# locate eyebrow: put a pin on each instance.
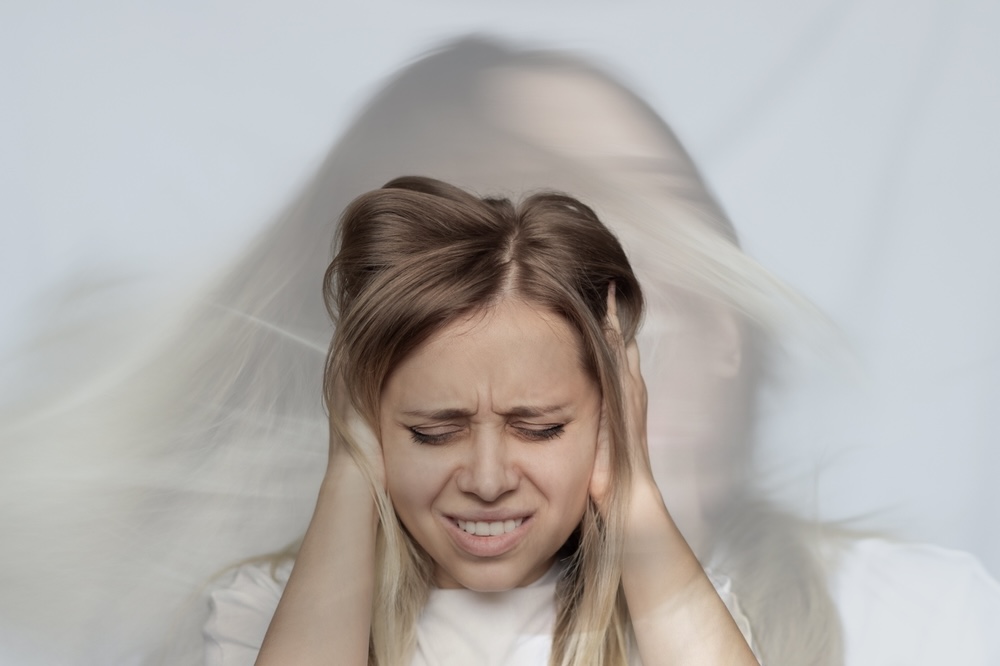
(439, 414)
(445, 414)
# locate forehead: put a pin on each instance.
(512, 351)
(509, 316)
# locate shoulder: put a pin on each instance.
(914, 604)
(240, 610)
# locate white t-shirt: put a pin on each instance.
(900, 604)
(512, 628)
(915, 605)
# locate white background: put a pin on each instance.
(855, 145)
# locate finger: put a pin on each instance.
(613, 309)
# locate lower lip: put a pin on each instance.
(486, 546)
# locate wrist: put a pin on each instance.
(646, 502)
(650, 531)
(346, 482)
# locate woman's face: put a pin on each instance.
(489, 433)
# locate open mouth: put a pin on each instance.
(493, 528)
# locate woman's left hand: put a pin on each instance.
(634, 407)
(677, 616)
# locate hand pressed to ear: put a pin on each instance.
(677, 616)
(353, 442)
(634, 401)
(326, 606)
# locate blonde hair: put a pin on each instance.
(209, 443)
(416, 255)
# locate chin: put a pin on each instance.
(490, 584)
(492, 577)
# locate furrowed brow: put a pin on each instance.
(439, 414)
(536, 412)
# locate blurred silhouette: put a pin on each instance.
(123, 500)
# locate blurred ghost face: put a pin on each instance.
(692, 361)
(690, 347)
(489, 434)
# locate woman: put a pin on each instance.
(211, 449)
(500, 121)
(492, 348)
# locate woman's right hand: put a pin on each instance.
(327, 603)
(353, 442)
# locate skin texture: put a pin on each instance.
(677, 616)
(493, 418)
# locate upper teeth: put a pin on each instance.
(482, 528)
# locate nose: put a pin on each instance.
(488, 472)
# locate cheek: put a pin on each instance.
(413, 477)
(568, 472)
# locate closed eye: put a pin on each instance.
(540, 433)
(435, 435)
